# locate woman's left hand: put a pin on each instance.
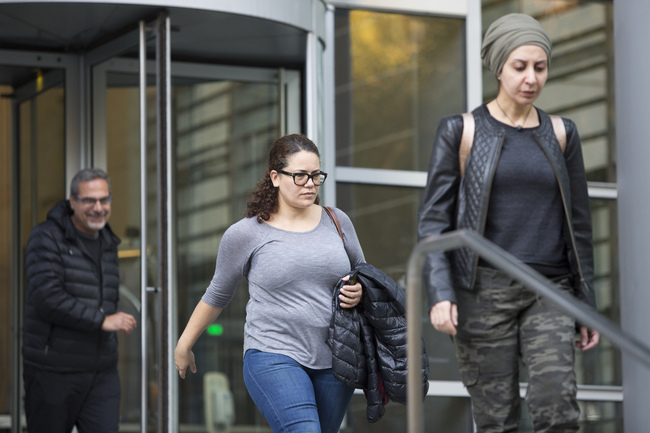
(350, 295)
(588, 339)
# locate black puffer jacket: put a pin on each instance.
(452, 202)
(369, 342)
(68, 297)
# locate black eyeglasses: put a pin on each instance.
(301, 179)
(90, 202)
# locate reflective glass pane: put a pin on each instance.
(392, 211)
(580, 85)
(224, 132)
(40, 178)
(221, 136)
(42, 157)
(602, 364)
(123, 168)
(449, 415)
(595, 417)
(396, 77)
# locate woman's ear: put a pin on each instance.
(275, 180)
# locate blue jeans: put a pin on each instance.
(294, 398)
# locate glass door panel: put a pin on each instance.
(41, 137)
(32, 180)
(222, 130)
(223, 133)
(122, 113)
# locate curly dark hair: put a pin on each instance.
(264, 199)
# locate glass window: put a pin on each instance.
(602, 364)
(581, 87)
(39, 180)
(393, 212)
(581, 83)
(595, 417)
(441, 414)
(396, 77)
(223, 134)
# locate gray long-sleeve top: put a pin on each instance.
(291, 278)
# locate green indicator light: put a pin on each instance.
(215, 329)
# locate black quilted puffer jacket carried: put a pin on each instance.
(451, 202)
(68, 298)
(369, 342)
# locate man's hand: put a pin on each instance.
(588, 339)
(444, 317)
(119, 322)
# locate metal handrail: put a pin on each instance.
(506, 262)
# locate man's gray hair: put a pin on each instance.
(86, 175)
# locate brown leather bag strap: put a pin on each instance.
(560, 130)
(335, 220)
(466, 141)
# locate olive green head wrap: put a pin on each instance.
(508, 33)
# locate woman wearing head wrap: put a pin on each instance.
(523, 187)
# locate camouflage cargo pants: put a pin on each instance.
(500, 321)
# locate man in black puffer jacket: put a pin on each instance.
(69, 340)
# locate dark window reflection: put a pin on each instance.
(396, 77)
(385, 218)
(450, 415)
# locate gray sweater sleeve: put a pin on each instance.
(235, 250)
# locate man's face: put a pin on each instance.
(90, 215)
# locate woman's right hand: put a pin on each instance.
(184, 358)
(444, 317)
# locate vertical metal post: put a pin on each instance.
(414, 402)
(144, 310)
(632, 155)
(17, 284)
(473, 67)
(310, 87)
(282, 98)
(163, 77)
(328, 151)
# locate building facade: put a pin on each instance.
(180, 100)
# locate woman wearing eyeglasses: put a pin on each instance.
(292, 256)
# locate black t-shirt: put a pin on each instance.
(525, 215)
(93, 244)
